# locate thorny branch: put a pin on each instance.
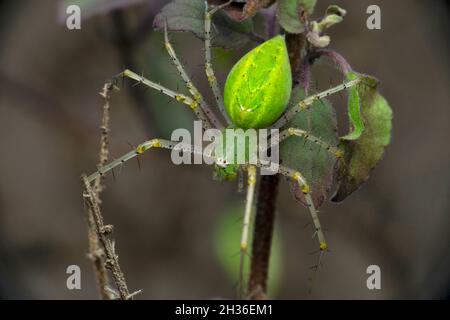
(95, 252)
(103, 231)
(97, 231)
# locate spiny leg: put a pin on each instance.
(140, 149)
(334, 151)
(208, 66)
(307, 102)
(189, 84)
(306, 190)
(193, 104)
(251, 172)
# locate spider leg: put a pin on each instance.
(334, 151)
(306, 190)
(240, 181)
(212, 80)
(188, 83)
(307, 102)
(192, 103)
(251, 171)
(140, 149)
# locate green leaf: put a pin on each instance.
(316, 164)
(227, 243)
(362, 155)
(189, 15)
(354, 110)
(289, 12)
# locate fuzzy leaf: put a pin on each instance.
(289, 13)
(316, 164)
(354, 111)
(189, 15)
(362, 155)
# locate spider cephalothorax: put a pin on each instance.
(256, 96)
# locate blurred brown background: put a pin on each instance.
(166, 216)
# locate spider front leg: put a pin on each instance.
(192, 103)
(307, 102)
(334, 151)
(188, 82)
(140, 149)
(208, 66)
(251, 182)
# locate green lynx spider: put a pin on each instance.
(209, 120)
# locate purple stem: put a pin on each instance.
(305, 75)
(337, 58)
(271, 17)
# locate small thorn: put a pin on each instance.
(239, 219)
(139, 163)
(234, 255)
(132, 295)
(114, 175)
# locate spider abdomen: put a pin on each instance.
(258, 87)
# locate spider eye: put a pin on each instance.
(221, 162)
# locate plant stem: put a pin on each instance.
(295, 44)
(337, 58)
(267, 196)
(96, 254)
(262, 237)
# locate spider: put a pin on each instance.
(242, 106)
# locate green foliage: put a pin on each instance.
(189, 15)
(289, 12)
(364, 154)
(259, 85)
(226, 245)
(354, 111)
(316, 164)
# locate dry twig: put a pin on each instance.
(96, 228)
